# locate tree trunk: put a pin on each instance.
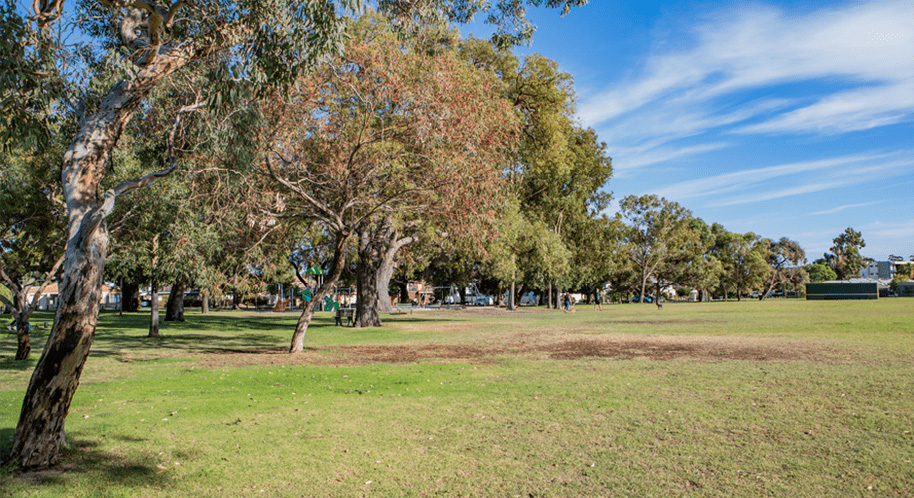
(404, 292)
(40, 431)
(20, 308)
(643, 286)
(21, 313)
(154, 310)
(130, 297)
(385, 274)
(204, 303)
(24, 346)
(174, 308)
(512, 304)
(549, 303)
(336, 269)
(236, 300)
(378, 248)
(367, 270)
(367, 296)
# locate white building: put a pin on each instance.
(881, 270)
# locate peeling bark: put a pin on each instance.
(40, 431)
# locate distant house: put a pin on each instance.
(50, 298)
(849, 289)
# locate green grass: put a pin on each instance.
(200, 413)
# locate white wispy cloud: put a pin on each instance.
(750, 179)
(734, 59)
(836, 178)
(845, 207)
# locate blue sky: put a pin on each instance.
(786, 119)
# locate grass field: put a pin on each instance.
(775, 398)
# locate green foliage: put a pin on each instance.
(32, 233)
(660, 240)
(845, 257)
(557, 174)
(507, 16)
(819, 272)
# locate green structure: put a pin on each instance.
(842, 290)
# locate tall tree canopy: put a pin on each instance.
(845, 257)
(382, 132)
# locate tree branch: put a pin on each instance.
(44, 285)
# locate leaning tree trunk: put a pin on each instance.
(336, 269)
(40, 431)
(174, 308)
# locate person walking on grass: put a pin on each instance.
(568, 303)
(597, 303)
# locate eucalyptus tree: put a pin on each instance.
(845, 257)
(380, 132)
(557, 168)
(149, 42)
(745, 259)
(703, 269)
(686, 262)
(658, 229)
(784, 257)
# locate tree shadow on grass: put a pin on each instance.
(123, 336)
(9, 364)
(122, 347)
(83, 459)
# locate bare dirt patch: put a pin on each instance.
(567, 347)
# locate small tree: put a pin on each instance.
(783, 256)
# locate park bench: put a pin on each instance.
(347, 313)
(404, 308)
